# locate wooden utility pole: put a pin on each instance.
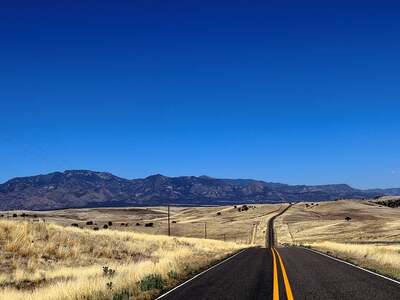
(253, 233)
(169, 222)
(205, 230)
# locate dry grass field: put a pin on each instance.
(221, 222)
(48, 261)
(61, 254)
(371, 238)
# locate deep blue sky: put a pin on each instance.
(277, 90)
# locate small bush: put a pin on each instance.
(109, 223)
(15, 215)
(174, 222)
(74, 225)
(105, 226)
(95, 228)
(173, 274)
(152, 281)
(149, 224)
(123, 295)
(89, 223)
(137, 224)
(347, 219)
(122, 224)
(218, 213)
(108, 272)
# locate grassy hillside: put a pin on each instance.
(47, 261)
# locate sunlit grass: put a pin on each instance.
(47, 261)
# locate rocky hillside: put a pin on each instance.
(82, 188)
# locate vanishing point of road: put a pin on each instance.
(284, 273)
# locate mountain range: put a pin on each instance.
(84, 188)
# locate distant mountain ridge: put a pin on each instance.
(84, 188)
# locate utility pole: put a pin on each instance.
(205, 230)
(252, 234)
(255, 233)
(169, 222)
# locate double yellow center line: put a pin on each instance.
(289, 294)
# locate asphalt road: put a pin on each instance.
(285, 273)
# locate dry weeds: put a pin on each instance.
(47, 261)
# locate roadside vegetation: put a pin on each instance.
(362, 232)
(46, 261)
(382, 258)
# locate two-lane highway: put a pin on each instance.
(285, 273)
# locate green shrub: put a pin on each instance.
(152, 281)
(173, 274)
(123, 295)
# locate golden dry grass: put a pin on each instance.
(370, 239)
(47, 261)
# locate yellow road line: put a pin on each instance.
(275, 282)
(289, 294)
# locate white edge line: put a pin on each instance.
(353, 265)
(190, 279)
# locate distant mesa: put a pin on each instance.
(84, 188)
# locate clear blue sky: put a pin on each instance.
(276, 90)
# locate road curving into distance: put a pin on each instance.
(285, 273)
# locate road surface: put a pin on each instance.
(284, 273)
